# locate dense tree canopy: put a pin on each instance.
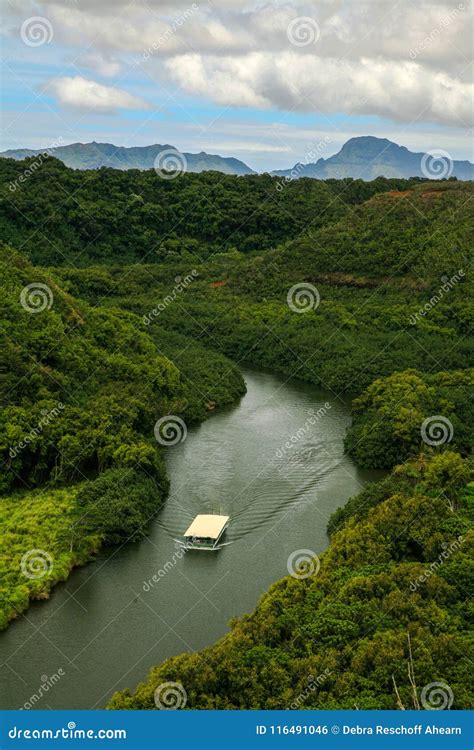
(146, 288)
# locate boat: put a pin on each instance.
(205, 532)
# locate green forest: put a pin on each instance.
(127, 298)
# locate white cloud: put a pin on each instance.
(82, 93)
(401, 60)
(401, 91)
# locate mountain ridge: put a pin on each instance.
(367, 157)
(94, 155)
(361, 157)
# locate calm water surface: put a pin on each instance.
(106, 626)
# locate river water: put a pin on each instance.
(109, 622)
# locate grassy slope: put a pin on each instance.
(38, 520)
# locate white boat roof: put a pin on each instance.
(209, 527)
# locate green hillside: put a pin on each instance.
(157, 288)
(61, 216)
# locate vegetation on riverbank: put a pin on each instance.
(82, 389)
(385, 269)
(392, 591)
(396, 416)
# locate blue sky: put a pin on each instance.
(264, 82)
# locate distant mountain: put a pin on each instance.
(365, 157)
(368, 157)
(94, 155)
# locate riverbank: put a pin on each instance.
(82, 457)
(111, 625)
(386, 605)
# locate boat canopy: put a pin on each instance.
(207, 527)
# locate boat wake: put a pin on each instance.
(274, 487)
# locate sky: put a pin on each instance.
(265, 82)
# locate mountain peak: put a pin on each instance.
(368, 157)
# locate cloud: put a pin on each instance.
(104, 65)
(402, 60)
(83, 93)
(402, 91)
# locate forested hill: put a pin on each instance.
(62, 216)
(381, 274)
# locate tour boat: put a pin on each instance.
(205, 532)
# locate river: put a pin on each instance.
(103, 628)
